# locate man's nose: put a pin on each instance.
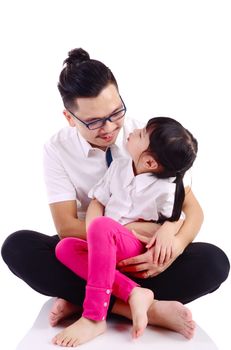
(109, 126)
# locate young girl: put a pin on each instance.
(147, 187)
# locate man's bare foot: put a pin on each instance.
(79, 332)
(140, 301)
(61, 309)
(172, 315)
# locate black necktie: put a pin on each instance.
(108, 157)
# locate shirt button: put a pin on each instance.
(108, 291)
(105, 304)
(103, 318)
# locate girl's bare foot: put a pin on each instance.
(61, 309)
(172, 315)
(79, 332)
(140, 301)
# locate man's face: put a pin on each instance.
(91, 108)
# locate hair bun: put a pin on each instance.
(76, 56)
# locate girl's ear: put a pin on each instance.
(69, 118)
(150, 163)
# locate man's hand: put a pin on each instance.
(143, 266)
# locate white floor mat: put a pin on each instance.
(118, 336)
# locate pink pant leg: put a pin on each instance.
(73, 253)
(108, 243)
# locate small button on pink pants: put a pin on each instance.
(108, 242)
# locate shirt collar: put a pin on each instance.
(129, 176)
(146, 179)
(142, 180)
(86, 147)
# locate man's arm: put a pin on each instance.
(66, 220)
(193, 219)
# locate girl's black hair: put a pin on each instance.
(82, 77)
(175, 149)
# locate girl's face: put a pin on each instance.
(137, 143)
(89, 109)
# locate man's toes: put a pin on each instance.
(59, 341)
(54, 340)
(66, 341)
(188, 333)
(72, 342)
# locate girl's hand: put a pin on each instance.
(163, 240)
(161, 244)
(163, 247)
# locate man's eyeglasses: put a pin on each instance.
(99, 123)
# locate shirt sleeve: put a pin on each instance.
(58, 184)
(101, 191)
(165, 200)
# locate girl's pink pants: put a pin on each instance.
(108, 242)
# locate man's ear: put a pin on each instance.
(69, 118)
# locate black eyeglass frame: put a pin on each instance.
(103, 120)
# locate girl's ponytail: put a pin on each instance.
(179, 197)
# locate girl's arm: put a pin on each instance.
(94, 210)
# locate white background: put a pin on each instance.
(170, 58)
